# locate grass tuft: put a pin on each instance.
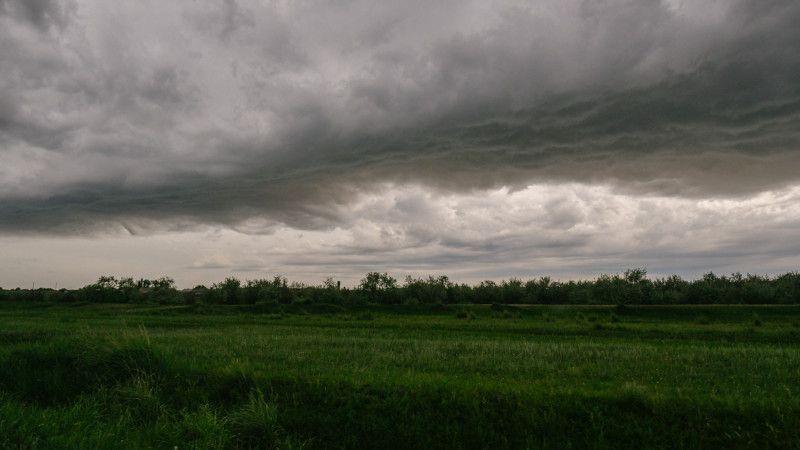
(255, 423)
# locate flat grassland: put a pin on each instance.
(322, 376)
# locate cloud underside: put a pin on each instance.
(145, 118)
(566, 231)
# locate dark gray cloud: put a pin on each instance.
(143, 116)
(42, 14)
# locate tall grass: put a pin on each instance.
(139, 377)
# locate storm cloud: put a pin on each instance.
(146, 117)
(166, 115)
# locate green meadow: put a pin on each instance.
(404, 376)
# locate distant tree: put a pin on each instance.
(163, 283)
(635, 275)
(513, 291)
(330, 291)
(229, 290)
(630, 287)
(106, 282)
(379, 287)
(488, 292)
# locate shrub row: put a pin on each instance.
(632, 287)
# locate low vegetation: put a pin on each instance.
(425, 375)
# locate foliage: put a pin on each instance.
(633, 287)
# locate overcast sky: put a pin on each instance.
(203, 139)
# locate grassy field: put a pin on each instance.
(146, 376)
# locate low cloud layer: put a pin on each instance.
(565, 231)
(146, 116)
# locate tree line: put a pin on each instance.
(632, 287)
